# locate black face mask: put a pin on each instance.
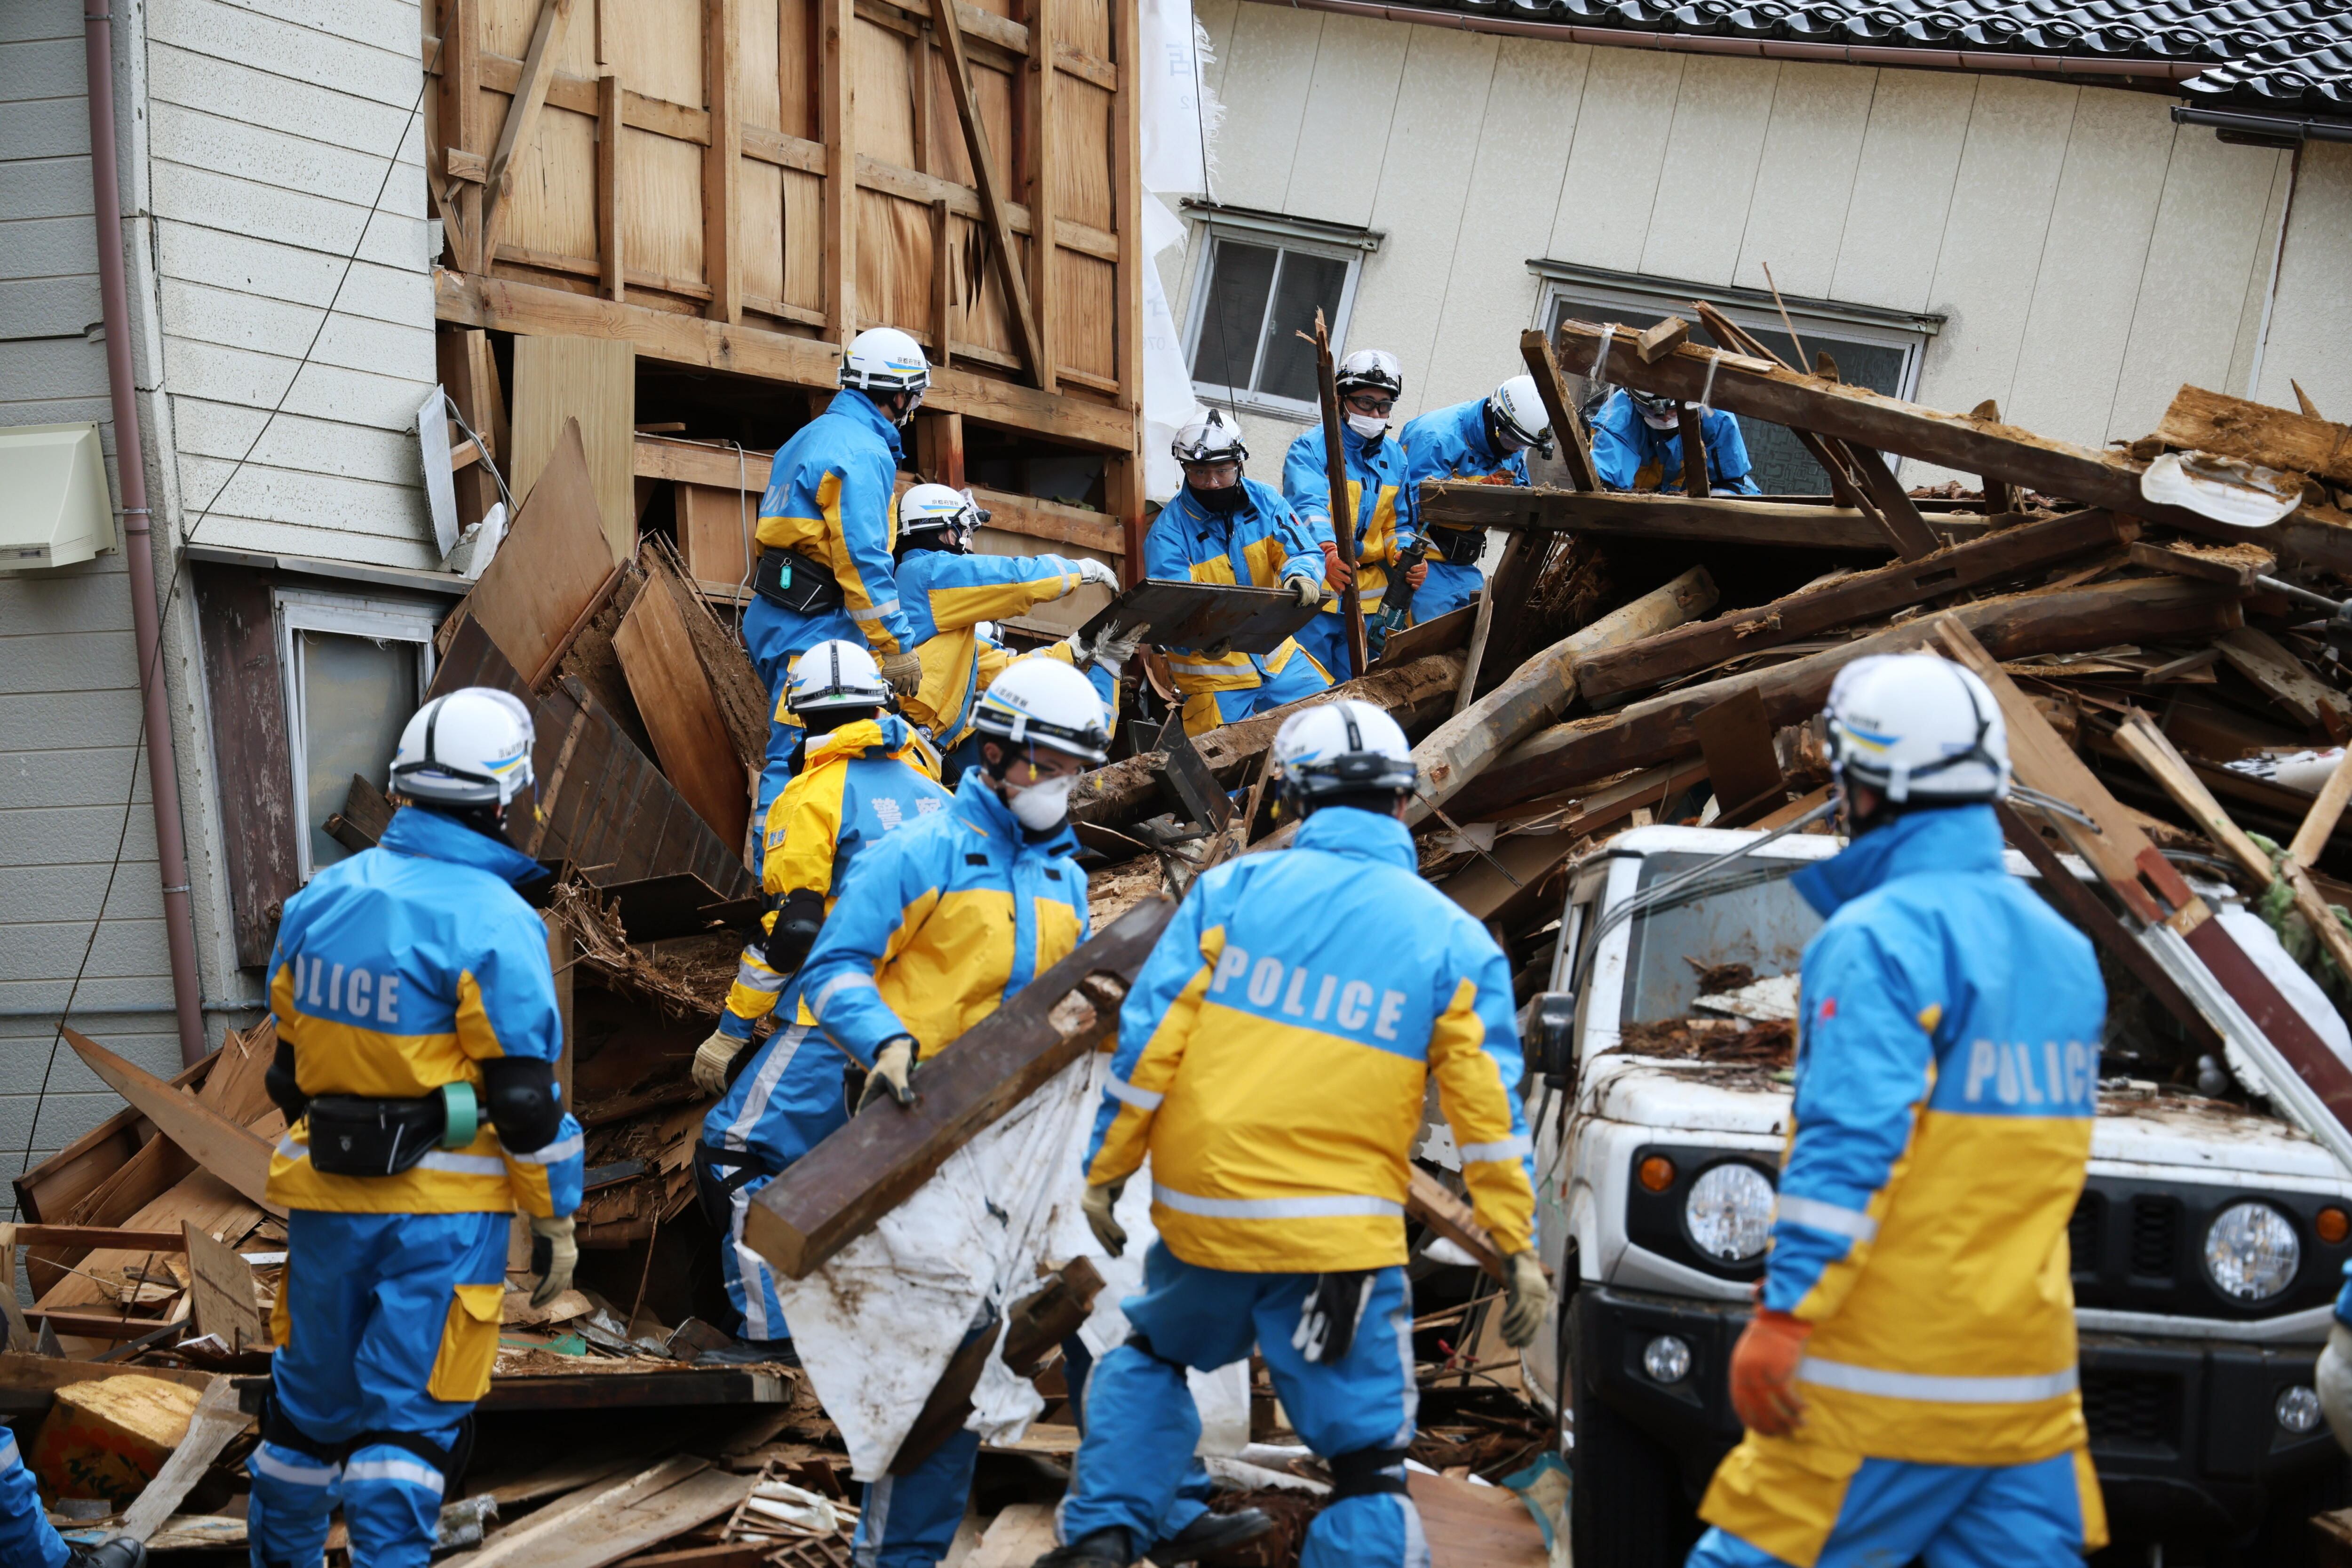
(1220, 501)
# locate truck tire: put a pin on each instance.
(1627, 1509)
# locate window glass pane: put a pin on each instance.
(357, 695)
(1240, 276)
(1307, 284)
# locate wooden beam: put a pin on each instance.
(1865, 595)
(2152, 749)
(522, 118)
(2326, 810)
(2257, 433)
(222, 1147)
(1719, 520)
(943, 291)
(2282, 678)
(461, 125)
(1898, 514)
(723, 163)
(2237, 564)
(1568, 436)
(1662, 338)
(1044, 151)
(991, 194)
(1341, 503)
(836, 128)
(1997, 496)
(611, 246)
(1695, 474)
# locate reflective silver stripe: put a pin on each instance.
(1141, 1098)
(1936, 1390)
(1814, 1215)
(7, 1446)
(409, 1472)
(561, 1149)
(464, 1164)
(1181, 668)
(833, 987)
(753, 976)
(265, 1461)
(887, 607)
(1511, 1148)
(291, 1149)
(1338, 1205)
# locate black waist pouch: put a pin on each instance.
(354, 1137)
(795, 583)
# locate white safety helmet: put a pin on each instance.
(1215, 439)
(1516, 410)
(1346, 746)
(1918, 729)
(467, 747)
(883, 360)
(1042, 701)
(941, 508)
(1371, 367)
(835, 674)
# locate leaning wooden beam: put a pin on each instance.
(991, 194)
(522, 117)
(2152, 610)
(1719, 520)
(1567, 432)
(1865, 596)
(2257, 433)
(1542, 687)
(232, 1154)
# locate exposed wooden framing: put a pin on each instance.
(469, 375)
(723, 163)
(522, 115)
(943, 292)
(1694, 460)
(939, 449)
(1124, 476)
(836, 122)
(1568, 433)
(461, 121)
(609, 231)
(1998, 498)
(783, 150)
(1725, 520)
(2235, 427)
(963, 201)
(992, 193)
(1041, 153)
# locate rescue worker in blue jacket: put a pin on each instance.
(27, 1538)
(861, 778)
(824, 568)
(1273, 1062)
(1370, 382)
(1637, 444)
(1485, 439)
(1225, 528)
(1908, 1380)
(417, 1039)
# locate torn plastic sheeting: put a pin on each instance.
(2222, 489)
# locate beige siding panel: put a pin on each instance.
(1514, 187)
(2207, 254)
(1622, 126)
(2091, 265)
(244, 208)
(200, 313)
(352, 451)
(1336, 172)
(2311, 321)
(2251, 315)
(1720, 117)
(1804, 181)
(1267, 67)
(1902, 188)
(346, 137)
(283, 49)
(298, 277)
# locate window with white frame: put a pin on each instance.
(1260, 284)
(1873, 347)
(355, 668)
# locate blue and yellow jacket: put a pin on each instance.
(857, 783)
(1274, 1060)
(1260, 545)
(946, 597)
(1375, 476)
(830, 497)
(939, 926)
(1948, 1071)
(1450, 444)
(400, 970)
(1627, 455)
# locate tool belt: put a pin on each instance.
(716, 1193)
(790, 580)
(1459, 546)
(351, 1135)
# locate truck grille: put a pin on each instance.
(2131, 1409)
(2083, 1228)
(2155, 1236)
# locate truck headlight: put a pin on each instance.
(1729, 1212)
(2251, 1252)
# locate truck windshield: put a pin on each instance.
(1746, 914)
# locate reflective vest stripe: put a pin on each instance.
(1937, 1390)
(1336, 1206)
(1141, 1098)
(887, 607)
(1814, 1215)
(833, 987)
(1506, 1149)
(554, 1153)
(464, 1164)
(422, 1477)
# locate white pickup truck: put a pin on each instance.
(2208, 1247)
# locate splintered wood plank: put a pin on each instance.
(2153, 750)
(1719, 520)
(743, 703)
(219, 1146)
(2275, 438)
(606, 1521)
(2258, 655)
(689, 737)
(214, 1424)
(2237, 564)
(590, 381)
(2326, 812)
(1015, 1538)
(552, 563)
(221, 1297)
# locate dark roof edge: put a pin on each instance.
(2280, 128)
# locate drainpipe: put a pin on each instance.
(139, 542)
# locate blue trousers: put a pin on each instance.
(1142, 1426)
(1954, 1516)
(1445, 588)
(1325, 638)
(27, 1540)
(776, 638)
(387, 1323)
(781, 1106)
(1297, 678)
(909, 1521)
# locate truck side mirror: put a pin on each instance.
(1553, 1017)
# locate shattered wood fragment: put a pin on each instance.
(1574, 443)
(2259, 657)
(366, 815)
(2326, 810)
(2236, 564)
(674, 697)
(743, 703)
(2148, 746)
(1735, 737)
(1695, 476)
(1661, 338)
(214, 1143)
(2228, 427)
(215, 1423)
(221, 1295)
(1719, 520)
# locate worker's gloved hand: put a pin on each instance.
(1309, 592)
(1764, 1372)
(1416, 574)
(553, 1256)
(1112, 653)
(1219, 648)
(903, 671)
(1092, 571)
(2335, 1384)
(711, 1060)
(893, 1074)
(798, 920)
(1526, 1298)
(1335, 571)
(1100, 1199)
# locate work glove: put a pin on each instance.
(1309, 592)
(1092, 571)
(553, 1256)
(893, 1073)
(1100, 1199)
(1335, 571)
(711, 1060)
(2335, 1384)
(1112, 653)
(903, 671)
(1526, 1298)
(1764, 1372)
(1416, 574)
(798, 920)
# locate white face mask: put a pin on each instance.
(1369, 428)
(1043, 804)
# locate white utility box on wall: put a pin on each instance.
(55, 508)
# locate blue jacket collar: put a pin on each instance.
(433, 837)
(1472, 432)
(1354, 445)
(1365, 834)
(855, 406)
(977, 802)
(1951, 841)
(1221, 525)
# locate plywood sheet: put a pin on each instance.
(688, 735)
(894, 261)
(656, 47)
(592, 382)
(1082, 154)
(882, 75)
(757, 98)
(759, 228)
(713, 526)
(661, 205)
(553, 561)
(803, 240)
(554, 186)
(1085, 313)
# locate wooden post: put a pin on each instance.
(610, 248)
(471, 378)
(722, 165)
(561, 950)
(1127, 202)
(522, 117)
(991, 194)
(1998, 498)
(1483, 622)
(943, 291)
(1695, 479)
(1043, 150)
(462, 125)
(939, 447)
(1343, 506)
(837, 127)
(1567, 432)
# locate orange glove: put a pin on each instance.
(1764, 1372)
(1419, 570)
(1335, 571)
